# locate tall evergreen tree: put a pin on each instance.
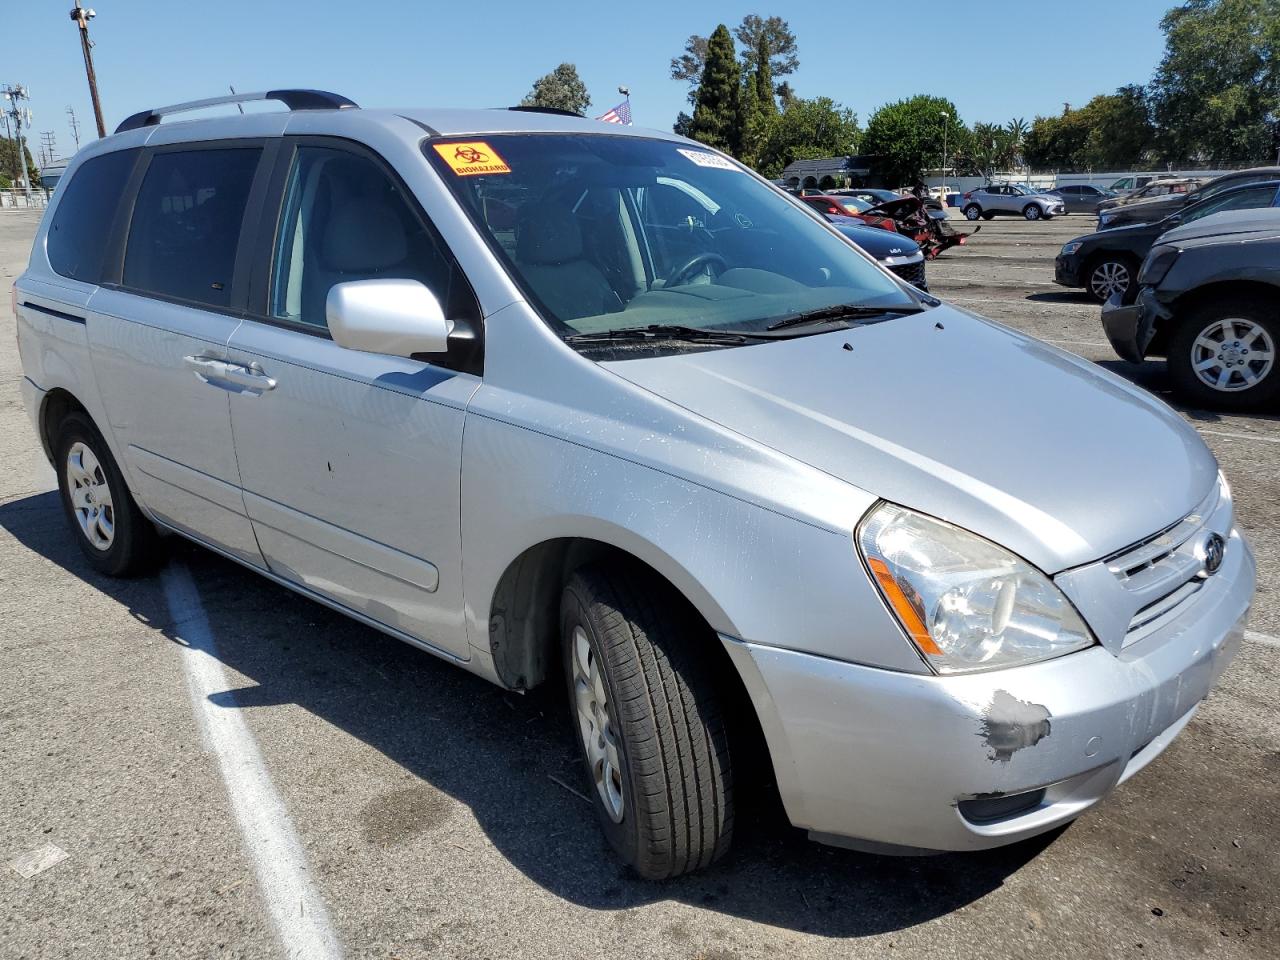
(764, 78)
(716, 106)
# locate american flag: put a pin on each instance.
(619, 114)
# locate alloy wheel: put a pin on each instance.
(596, 725)
(1109, 278)
(1032, 212)
(1232, 354)
(90, 496)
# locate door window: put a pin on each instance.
(78, 236)
(186, 224)
(345, 219)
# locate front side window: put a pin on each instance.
(78, 234)
(346, 219)
(186, 224)
(1240, 200)
(609, 233)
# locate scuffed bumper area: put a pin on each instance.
(876, 759)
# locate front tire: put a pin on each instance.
(972, 212)
(649, 720)
(1223, 354)
(1032, 212)
(1110, 275)
(112, 532)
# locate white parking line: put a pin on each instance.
(1263, 638)
(297, 910)
(1240, 436)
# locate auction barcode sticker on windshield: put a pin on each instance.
(704, 159)
(471, 159)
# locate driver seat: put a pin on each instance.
(551, 257)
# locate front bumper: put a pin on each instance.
(1132, 327)
(876, 759)
(1066, 271)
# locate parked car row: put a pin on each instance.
(1151, 209)
(1208, 301)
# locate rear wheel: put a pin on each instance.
(988, 215)
(110, 529)
(1032, 212)
(649, 720)
(973, 212)
(1109, 275)
(1223, 354)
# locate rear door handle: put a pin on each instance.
(250, 376)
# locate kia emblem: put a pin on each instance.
(1215, 549)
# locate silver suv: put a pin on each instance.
(1011, 198)
(479, 379)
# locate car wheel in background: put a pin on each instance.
(972, 212)
(988, 215)
(1109, 275)
(1223, 354)
(1032, 212)
(650, 726)
(112, 532)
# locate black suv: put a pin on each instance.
(1209, 301)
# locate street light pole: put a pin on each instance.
(82, 17)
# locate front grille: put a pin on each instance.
(913, 273)
(1165, 568)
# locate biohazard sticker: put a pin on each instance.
(704, 159)
(471, 159)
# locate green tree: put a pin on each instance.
(715, 111)
(1120, 130)
(1218, 85)
(906, 136)
(561, 89)
(764, 77)
(807, 129)
(773, 32)
(9, 163)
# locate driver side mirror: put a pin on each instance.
(394, 317)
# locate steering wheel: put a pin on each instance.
(686, 270)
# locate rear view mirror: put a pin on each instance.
(395, 317)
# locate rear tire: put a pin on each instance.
(988, 216)
(972, 212)
(1229, 357)
(1032, 212)
(112, 532)
(649, 719)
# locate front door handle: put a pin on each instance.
(206, 368)
(251, 376)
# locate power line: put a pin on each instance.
(75, 126)
(48, 147)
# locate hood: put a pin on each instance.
(880, 243)
(1153, 208)
(962, 419)
(1260, 220)
(1119, 236)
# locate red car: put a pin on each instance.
(850, 207)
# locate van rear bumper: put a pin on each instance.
(33, 400)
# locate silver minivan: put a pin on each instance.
(566, 402)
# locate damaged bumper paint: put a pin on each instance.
(882, 760)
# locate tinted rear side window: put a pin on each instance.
(78, 236)
(186, 224)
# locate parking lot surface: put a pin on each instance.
(165, 734)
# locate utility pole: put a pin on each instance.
(48, 146)
(75, 126)
(13, 94)
(82, 17)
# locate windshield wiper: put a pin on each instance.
(845, 311)
(659, 331)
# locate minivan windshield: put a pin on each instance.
(610, 233)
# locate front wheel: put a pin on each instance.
(1223, 354)
(1108, 276)
(1032, 212)
(649, 721)
(972, 212)
(110, 529)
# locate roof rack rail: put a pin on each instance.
(555, 110)
(293, 99)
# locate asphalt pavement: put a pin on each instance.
(202, 764)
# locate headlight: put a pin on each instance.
(1104, 220)
(964, 602)
(1157, 264)
(1069, 248)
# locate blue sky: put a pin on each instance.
(995, 59)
